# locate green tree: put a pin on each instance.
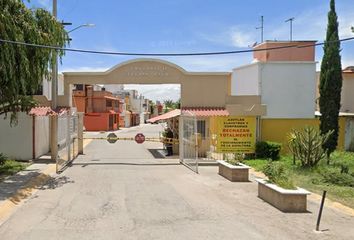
(177, 104)
(169, 104)
(22, 68)
(330, 83)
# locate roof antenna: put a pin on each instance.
(262, 28)
(291, 27)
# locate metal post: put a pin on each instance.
(291, 27)
(68, 134)
(54, 138)
(181, 147)
(80, 134)
(262, 28)
(320, 212)
(291, 31)
(196, 142)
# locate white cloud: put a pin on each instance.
(235, 36)
(241, 38)
(159, 92)
(223, 63)
(85, 69)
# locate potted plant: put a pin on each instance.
(280, 191)
(233, 169)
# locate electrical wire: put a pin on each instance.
(171, 54)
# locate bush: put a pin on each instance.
(2, 159)
(306, 145)
(277, 174)
(265, 149)
(336, 177)
(234, 158)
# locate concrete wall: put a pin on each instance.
(349, 135)
(277, 130)
(245, 80)
(347, 98)
(288, 89)
(42, 135)
(204, 90)
(127, 120)
(96, 122)
(285, 54)
(47, 87)
(16, 141)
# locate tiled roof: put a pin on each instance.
(206, 111)
(41, 111)
(47, 111)
(196, 111)
(171, 114)
(349, 69)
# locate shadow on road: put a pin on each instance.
(54, 183)
(125, 164)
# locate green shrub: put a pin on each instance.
(336, 177)
(234, 158)
(306, 146)
(2, 159)
(277, 174)
(266, 149)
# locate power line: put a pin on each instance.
(170, 54)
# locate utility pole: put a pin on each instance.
(262, 28)
(54, 119)
(291, 27)
(55, 66)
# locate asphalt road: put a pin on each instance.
(120, 191)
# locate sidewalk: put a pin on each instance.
(14, 189)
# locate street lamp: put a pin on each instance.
(82, 25)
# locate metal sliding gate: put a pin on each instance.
(188, 140)
(68, 144)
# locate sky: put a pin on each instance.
(179, 26)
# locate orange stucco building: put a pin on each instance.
(101, 108)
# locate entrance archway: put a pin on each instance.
(198, 89)
(205, 91)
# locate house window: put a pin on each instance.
(79, 87)
(108, 103)
(201, 128)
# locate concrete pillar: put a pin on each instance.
(80, 133)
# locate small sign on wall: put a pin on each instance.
(236, 134)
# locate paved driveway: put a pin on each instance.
(120, 191)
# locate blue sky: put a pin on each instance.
(192, 26)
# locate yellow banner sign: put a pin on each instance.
(236, 134)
